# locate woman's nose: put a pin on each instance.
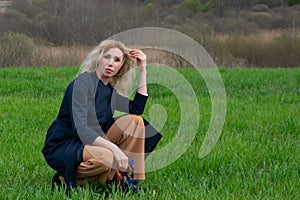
(110, 62)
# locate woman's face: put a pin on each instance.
(110, 63)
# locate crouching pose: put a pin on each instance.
(86, 143)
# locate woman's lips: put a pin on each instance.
(109, 70)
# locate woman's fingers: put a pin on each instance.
(121, 160)
(122, 165)
(139, 56)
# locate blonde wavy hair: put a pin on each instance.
(124, 79)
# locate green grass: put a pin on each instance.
(256, 157)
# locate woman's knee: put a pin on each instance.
(103, 155)
(137, 119)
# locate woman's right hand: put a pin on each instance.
(121, 160)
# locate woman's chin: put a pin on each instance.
(106, 76)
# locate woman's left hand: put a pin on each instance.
(141, 58)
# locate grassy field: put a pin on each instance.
(256, 157)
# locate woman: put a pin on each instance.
(85, 142)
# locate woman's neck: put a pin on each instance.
(103, 79)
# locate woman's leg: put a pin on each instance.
(97, 164)
(128, 133)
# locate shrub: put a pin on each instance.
(172, 19)
(293, 2)
(207, 6)
(193, 5)
(15, 49)
(149, 7)
(260, 8)
(197, 6)
(290, 17)
(270, 3)
(265, 20)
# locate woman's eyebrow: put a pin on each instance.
(115, 57)
(118, 57)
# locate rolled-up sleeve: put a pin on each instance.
(135, 106)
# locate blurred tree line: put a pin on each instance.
(86, 22)
(64, 22)
(61, 32)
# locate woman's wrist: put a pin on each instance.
(142, 68)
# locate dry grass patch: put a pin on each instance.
(60, 56)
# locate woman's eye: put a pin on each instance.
(107, 56)
(117, 60)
